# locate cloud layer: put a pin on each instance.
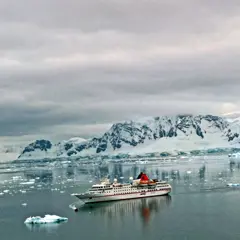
(71, 68)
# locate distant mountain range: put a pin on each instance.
(9, 152)
(148, 135)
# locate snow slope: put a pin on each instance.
(147, 135)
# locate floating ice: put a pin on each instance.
(24, 204)
(6, 191)
(16, 177)
(233, 184)
(46, 219)
(27, 183)
(1, 193)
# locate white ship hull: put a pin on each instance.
(95, 198)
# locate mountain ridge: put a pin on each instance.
(153, 134)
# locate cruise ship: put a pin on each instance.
(139, 188)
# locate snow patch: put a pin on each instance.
(76, 140)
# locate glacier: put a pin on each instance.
(180, 133)
(47, 219)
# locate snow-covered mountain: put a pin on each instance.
(232, 115)
(147, 135)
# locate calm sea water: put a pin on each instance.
(200, 206)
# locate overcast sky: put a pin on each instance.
(73, 67)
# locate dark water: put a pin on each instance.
(200, 206)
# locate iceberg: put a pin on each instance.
(45, 220)
(233, 184)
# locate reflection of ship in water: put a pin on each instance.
(145, 207)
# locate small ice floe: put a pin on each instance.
(45, 220)
(6, 191)
(1, 193)
(15, 178)
(22, 191)
(27, 183)
(233, 184)
(24, 204)
(189, 172)
(62, 191)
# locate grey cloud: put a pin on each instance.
(74, 67)
(30, 119)
(93, 86)
(143, 15)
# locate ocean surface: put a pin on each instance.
(199, 207)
